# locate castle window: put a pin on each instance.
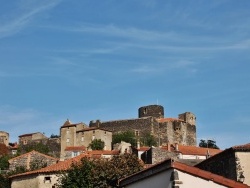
(25, 142)
(93, 132)
(67, 141)
(145, 111)
(82, 139)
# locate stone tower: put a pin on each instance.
(156, 111)
(188, 117)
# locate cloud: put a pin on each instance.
(21, 18)
(17, 121)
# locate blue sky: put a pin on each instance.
(87, 60)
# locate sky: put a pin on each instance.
(84, 60)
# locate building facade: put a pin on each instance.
(79, 134)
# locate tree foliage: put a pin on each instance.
(148, 140)
(127, 136)
(37, 146)
(100, 173)
(208, 144)
(97, 144)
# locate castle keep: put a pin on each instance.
(181, 130)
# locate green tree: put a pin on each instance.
(100, 173)
(208, 144)
(97, 144)
(127, 136)
(148, 140)
(4, 164)
(40, 147)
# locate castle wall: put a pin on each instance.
(143, 125)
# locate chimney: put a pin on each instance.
(176, 147)
(169, 146)
(138, 144)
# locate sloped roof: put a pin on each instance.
(193, 150)
(68, 123)
(64, 165)
(75, 148)
(244, 147)
(171, 164)
(29, 153)
(29, 134)
(60, 166)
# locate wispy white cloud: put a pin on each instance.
(11, 24)
(17, 121)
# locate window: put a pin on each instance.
(25, 142)
(47, 179)
(82, 139)
(136, 133)
(67, 141)
(75, 153)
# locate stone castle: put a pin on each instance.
(181, 130)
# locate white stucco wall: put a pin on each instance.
(189, 181)
(34, 181)
(245, 164)
(162, 180)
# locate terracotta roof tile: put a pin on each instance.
(207, 175)
(193, 150)
(60, 166)
(242, 147)
(31, 152)
(28, 134)
(75, 148)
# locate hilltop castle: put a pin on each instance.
(181, 130)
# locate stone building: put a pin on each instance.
(79, 134)
(181, 130)
(232, 163)
(30, 137)
(29, 159)
(4, 138)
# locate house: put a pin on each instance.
(28, 160)
(78, 135)
(48, 177)
(45, 177)
(73, 151)
(187, 154)
(25, 138)
(173, 174)
(13, 148)
(232, 163)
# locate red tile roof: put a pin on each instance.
(193, 150)
(242, 147)
(64, 165)
(60, 166)
(32, 152)
(28, 134)
(169, 163)
(207, 175)
(75, 148)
